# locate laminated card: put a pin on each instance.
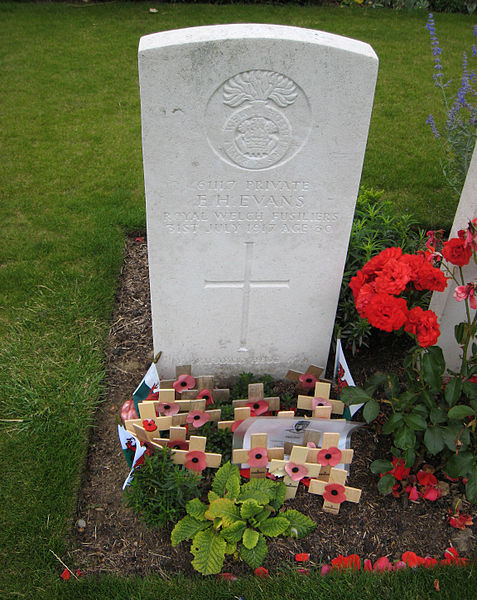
(253, 143)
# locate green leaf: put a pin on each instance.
(459, 332)
(263, 514)
(354, 395)
(195, 508)
(471, 487)
(186, 528)
(415, 421)
(222, 476)
(250, 538)
(274, 526)
(233, 534)
(224, 509)
(261, 490)
(394, 421)
(405, 438)
(371, 410)
(450, 434)
(409, 457)
(208, 548)
(300, 525)
(230, 547)
(250, 508)
(460, 465)
(470, 389)
(433, 439)
(385, 484)
(381, 466)
(280, 490)
(431, 370)
(427, 399)
(453, 390)
(460, 412)
(438, 416)
(212, 496)
(255, 556)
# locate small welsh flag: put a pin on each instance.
(133, 451)
(149, 384)
(343, 379)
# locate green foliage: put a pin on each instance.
(237, 520)
(218, 440)
(433, 413)
(240, 387)
(160, 491)
(376, 226)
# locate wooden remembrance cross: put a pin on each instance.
(294, 469)
(334, 491)
(196, 458)
(321, 404)
(258, 456)
(305, 380)
(256, 400)
(204, 384)
(329, 455)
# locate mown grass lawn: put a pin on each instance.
(72, 187)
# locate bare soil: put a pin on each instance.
(115, 541)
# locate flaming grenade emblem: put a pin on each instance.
(258, 134)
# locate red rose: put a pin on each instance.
(455, 252)
(386, 312)
(430, 278)
(423, 324)
(378, 261)
(392, 278)
(362, 301)
(356, 283)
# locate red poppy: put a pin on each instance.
(347, 562)
(303, 571)
(65, 575)
(302, 557)
(207, 396)
(258, 457)
(178, 444)
(236, 424)
(329, 456)
(183, 382)
(295, 472)
(368, 565)
(259, 407)
(167, 408)
(195, 461)
(149, 425)
(426, 478)
(261, 572)
(197, 418)
(325, 569)
(226, 577)
(307, 381)
(429, 562)
(335, 493)
(383, 564)
(399, 564)
(319, 402)
(431, 493)
(412, 559)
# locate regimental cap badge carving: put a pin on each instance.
(258, 107)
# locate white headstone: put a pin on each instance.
(253, 144)
(450, 312)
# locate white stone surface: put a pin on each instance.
(253, 144)
(450, 312)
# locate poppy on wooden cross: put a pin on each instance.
(321, 403)
(188, 387)
(257, 456)
(167, 404)
(177, 439)
(329, 455)
(305, 381)
(196, 458)
(148, 426)
(240, 414)
(294, 469)
(334, 491)
(257, 402)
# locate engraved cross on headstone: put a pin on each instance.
(247, 284)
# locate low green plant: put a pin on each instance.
(160, 489)
(376, 226)
(237, 520)
(240, 387)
